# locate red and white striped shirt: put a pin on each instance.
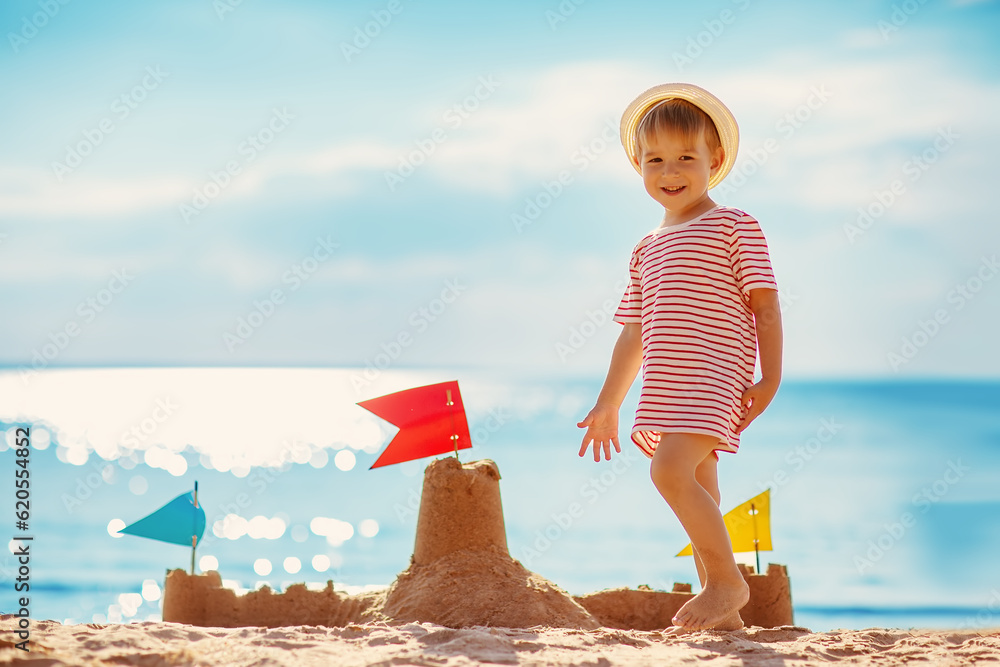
(689, 289)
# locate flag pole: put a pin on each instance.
(451, 413)
(756, 543)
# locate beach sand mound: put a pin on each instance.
(356, 645)
(481, 587)
(634, 609)
(461, 573)
(202, 600)
(770, 604)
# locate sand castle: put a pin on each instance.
(461, 575)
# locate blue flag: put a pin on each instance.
(176, 522)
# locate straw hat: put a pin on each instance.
(725, 123)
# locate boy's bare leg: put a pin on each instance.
(673, 471)
(732, 622)
(707, 475)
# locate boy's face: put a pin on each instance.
(676, 170)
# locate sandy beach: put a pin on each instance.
(429, 644)
(464, 600)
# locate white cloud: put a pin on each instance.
(881, 114)
(533, 125)
(558, 111)
(94, 199)
(31, 261)
(251, 270)
(876, 109)
(528, 129)
(34, 194)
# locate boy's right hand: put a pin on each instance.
(602, 430)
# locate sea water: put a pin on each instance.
(885, 504)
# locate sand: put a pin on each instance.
(160, 644)
(464, 601)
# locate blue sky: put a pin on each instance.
(119, 116)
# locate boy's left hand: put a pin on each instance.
(756, 398)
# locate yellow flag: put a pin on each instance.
(747, 524)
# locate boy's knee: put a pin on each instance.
(666, 475)
(676, 464)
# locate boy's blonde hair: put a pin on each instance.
(680, 117)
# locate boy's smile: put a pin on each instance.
(675, 172)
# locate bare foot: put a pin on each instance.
(730, 623)
(713, 607)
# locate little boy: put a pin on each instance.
(702, 299)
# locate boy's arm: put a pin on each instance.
(767, 321)
(602, 422)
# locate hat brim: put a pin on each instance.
(725, 123)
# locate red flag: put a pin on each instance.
(431, 421)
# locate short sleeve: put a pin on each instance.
(630, 308)
(749, 257)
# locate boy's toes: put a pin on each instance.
(683, 616)
(695, 622)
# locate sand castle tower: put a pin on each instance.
(770, 602)
(460, 509)
(461, 573)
